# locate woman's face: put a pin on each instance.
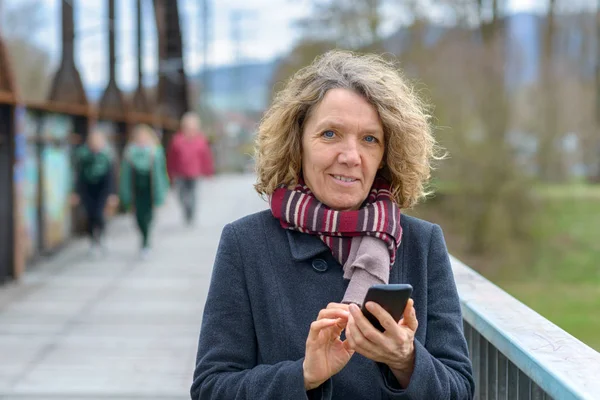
(342, 149)
(96, 141)
(143, 139)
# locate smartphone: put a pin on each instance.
(392, 298)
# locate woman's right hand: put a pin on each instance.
(326, 354)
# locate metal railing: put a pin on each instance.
(517, 354)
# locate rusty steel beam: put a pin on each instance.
(112, 103)
(140, 101)
(172, 99)
(7, 81)
(67, 86)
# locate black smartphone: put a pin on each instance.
(392, 298)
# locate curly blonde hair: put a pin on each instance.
(145, 130)
(409, 143)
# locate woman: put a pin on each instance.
(94, 187)
(144, 182)
(343, 148)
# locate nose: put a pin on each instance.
(349, 153)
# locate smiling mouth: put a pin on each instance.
(344, 178)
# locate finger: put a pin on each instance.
(363, 327)
(317, 326)
(339, 306)
(331, 330)
(385, 319)
(357, 341)
(349, 343)
(339, 327)
(410, 316)
(348, 346)
(350, 332)
(333, 313)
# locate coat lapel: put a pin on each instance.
(304, 246)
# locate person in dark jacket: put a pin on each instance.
(345, 146)
(94, 185)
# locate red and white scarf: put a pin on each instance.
(298, 209)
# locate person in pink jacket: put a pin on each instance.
(189, 158)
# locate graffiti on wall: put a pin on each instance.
(56, 180)
(29, 199)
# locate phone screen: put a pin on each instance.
(393, 298)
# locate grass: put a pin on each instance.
(569, 191)
(565, 282)
(568, 240)
(562, 283)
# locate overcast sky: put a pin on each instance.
(266, 29)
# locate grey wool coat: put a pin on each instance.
(269, 284)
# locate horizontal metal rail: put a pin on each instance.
(517, 353)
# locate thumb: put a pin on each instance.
(348, 347)
(410, 318)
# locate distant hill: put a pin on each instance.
(244, 87)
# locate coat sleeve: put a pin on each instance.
(161, 186)
(442, 366)
(172, 159)
(109, 181)
(207, 161)
(227, 366)
(125, 195)
(78, 186)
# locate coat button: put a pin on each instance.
(320, 265)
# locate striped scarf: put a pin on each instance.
(298, 209)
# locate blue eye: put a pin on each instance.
(371, 139)
(329, 134)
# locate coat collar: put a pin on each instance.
(305, 246)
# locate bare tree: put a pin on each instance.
(548, 153)
(348, 24)
(597, 174)
(489, 200)
(300, 56)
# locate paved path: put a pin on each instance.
(117, 327)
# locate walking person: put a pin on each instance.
(143, 180)
(189, 158)
(94, 185)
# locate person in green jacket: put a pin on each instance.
(94, 185)
(144, 183)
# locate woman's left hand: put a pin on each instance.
(394, 347)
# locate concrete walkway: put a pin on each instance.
(117, 327)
